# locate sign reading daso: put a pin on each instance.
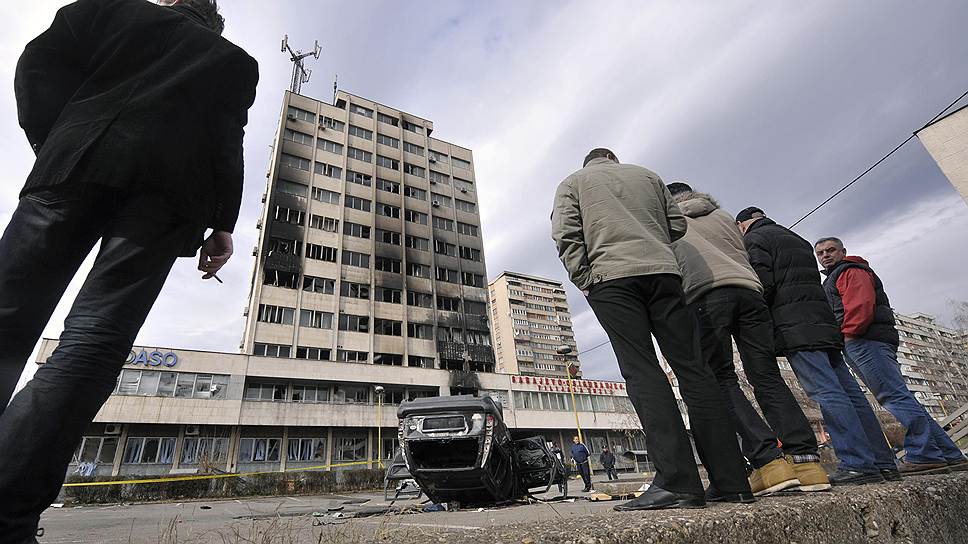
(152, 358)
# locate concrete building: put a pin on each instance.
(370, 244)
(530, 320)
(934, 362)
(947, 141)
(181, 411)
(369, 271)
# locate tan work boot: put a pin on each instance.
(812, 476)
(776, 475)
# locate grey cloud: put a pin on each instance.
(772, 104)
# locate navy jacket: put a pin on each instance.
(579, 453)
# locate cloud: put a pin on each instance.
(772, 104)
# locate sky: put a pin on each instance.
(772, 104)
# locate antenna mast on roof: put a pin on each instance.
(335, 81)
(300, 74)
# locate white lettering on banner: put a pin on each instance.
(152, 358)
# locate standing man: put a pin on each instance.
(726, 295)
(806, 333)
(579, 454)
(870, 342)
(607, 460)
(136, 114)
(614, 225)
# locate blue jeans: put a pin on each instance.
(854, 430)
(876, 364)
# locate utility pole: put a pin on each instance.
(300, 74)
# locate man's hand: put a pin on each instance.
(215, 252)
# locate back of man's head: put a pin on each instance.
(750, 213)
(599, 153)
(207, 9)
(679, 187)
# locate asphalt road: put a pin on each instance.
(287, 519)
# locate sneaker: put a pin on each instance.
(912, 469)
(958, 465)
(891, 474)
(812, 476)
(776, 475)
(845, 476)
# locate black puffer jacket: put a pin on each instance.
(802, 318)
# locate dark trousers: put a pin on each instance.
(584, 470)
(610, 472)
(49, 235)
(633, 309)
(729, 313)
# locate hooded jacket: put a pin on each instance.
(711, 254)
(785, 263)
(859, 302)
(614, 221)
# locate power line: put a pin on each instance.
(594, 348)
(882, 159)
(845, 187)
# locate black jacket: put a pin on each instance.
(785, 263)
(607, 459)
(145, 98)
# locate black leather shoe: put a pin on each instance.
(853, 477)
(891, 475)
(657, 498)
(713, 495)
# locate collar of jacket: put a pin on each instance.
(600, 160)
(191, 13)
(761, 223)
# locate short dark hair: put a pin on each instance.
(678, 187)
(598, 153)
(208, 9)
(838, 241)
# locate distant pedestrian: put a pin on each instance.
(806, 333)
(871, 341)
(136, 114)
(607, 460)
(726, 295)
(614, 225)
(579, 454)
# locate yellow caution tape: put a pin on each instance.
(218, 476)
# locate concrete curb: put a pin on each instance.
(926, 509)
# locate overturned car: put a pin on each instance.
(458, 449)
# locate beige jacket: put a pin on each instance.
(613, 221)
(711, 254)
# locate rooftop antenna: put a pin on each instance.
(300, 74)
(335, 81)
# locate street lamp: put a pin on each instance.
(566, 350)
(379, 390)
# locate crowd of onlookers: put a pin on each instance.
(669, 262)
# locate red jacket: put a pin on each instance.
(856, 287)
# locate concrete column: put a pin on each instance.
(284, 448)
(369, 448)
(179, 445)
(119, 453)
(232, 456)
(329, 447)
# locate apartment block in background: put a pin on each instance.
(934, 363)
(530, 320)
(370, 243)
